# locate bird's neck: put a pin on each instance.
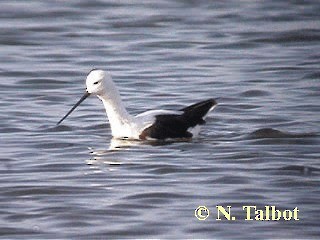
(119, 119)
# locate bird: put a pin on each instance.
(184, 123)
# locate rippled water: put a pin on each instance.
(260, 146)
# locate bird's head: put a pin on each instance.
(97, 81)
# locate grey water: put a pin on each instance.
(260, 146)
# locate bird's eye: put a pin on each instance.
(95, 83)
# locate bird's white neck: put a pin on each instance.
(120, 120)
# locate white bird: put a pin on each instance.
(151, 125)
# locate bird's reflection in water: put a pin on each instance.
(121, 144)
(120, 151)
(114, 155)
(117, 144)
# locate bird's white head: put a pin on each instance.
(97, 81)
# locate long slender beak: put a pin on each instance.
(74, 107)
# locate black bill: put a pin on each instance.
(74, 107)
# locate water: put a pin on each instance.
(260, 145)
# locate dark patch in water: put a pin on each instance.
(267, 133)
(98, 127)
(165, 170)
(43, 81)
(59, 128)
(12, 130)
(255, 93)
(273, 133)
(309, 35)
(313, 75)
(304, 170)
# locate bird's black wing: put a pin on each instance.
(175, 125)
